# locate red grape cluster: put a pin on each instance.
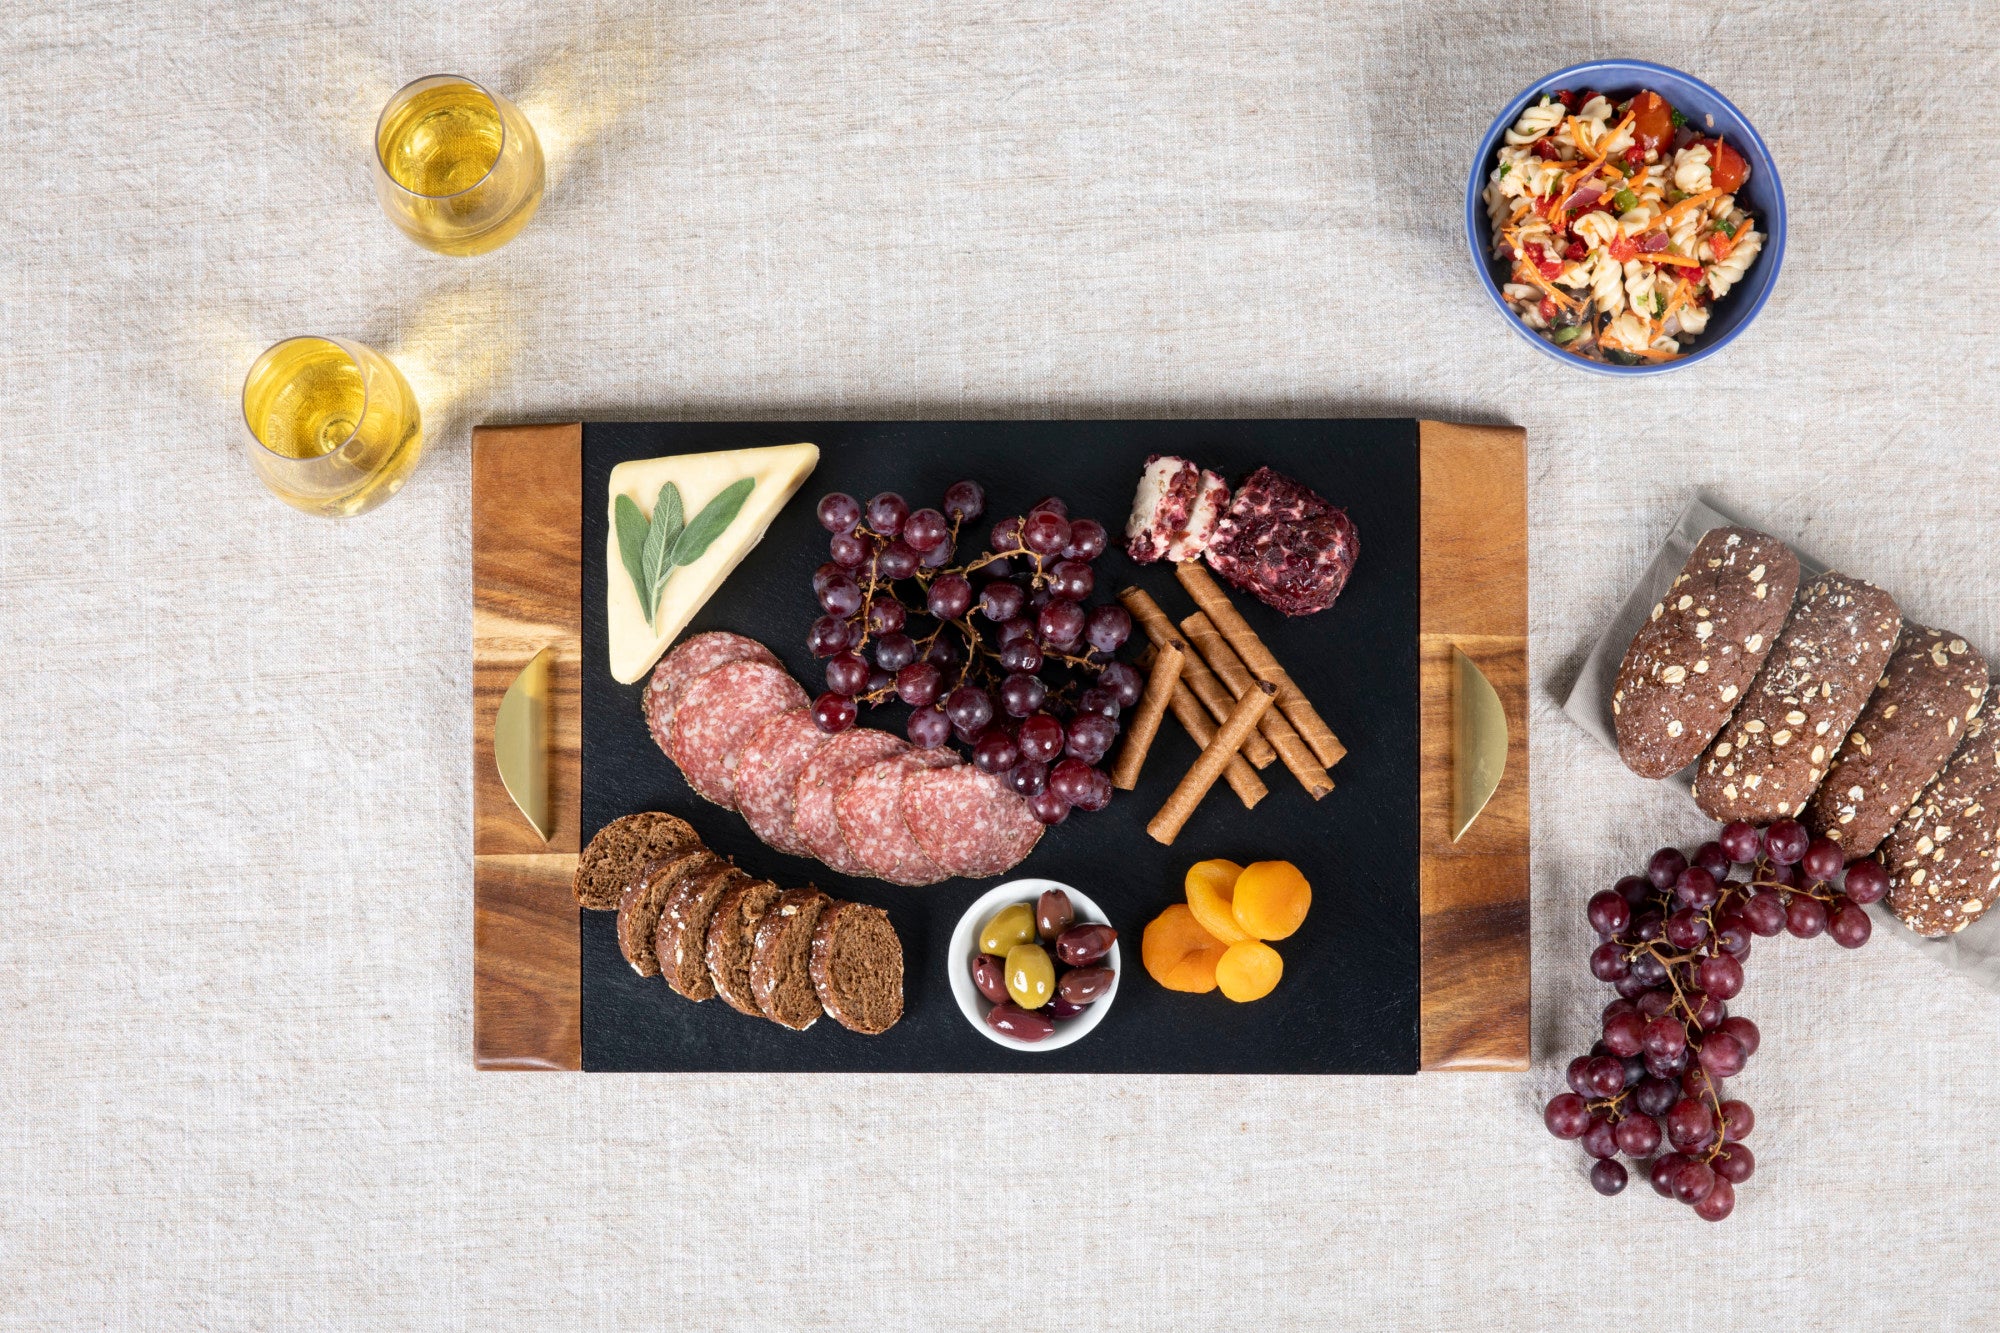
(1674, 942)
(1001, 652)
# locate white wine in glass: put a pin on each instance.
(458, 168)
(333, 427)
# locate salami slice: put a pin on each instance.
(820, 781)
(690, 660)
(869, 811)
(767, 777)
(717, 716)
(968, 823)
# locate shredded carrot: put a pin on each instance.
(1527, 270)
(1692, 201)
(1679, 261)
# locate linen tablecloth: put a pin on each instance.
(235, 1081)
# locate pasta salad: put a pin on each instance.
(1621, 223)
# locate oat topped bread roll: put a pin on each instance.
(1913, 722)
(1766, 763)
(1943, 857)
(1696, 654)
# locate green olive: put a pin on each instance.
(1009, 926)
(1031, 977)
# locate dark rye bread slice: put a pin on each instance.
(621, 850)
(1943, 856)
(1767, 762)
(682, 937)
(781, 959)
(639, 907)
(1697, 653)
(732, 934)
(857, 967)
(1913, 723)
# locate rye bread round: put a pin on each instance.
(857, 967)
(732, 934)
(621, 850)
(1908, 731)
(682, 937)
(639, 908)
(1767, 762)
(781, 959)
(1943, 856)
(690, 660)
(1701, 647)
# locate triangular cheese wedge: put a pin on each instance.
(779, 471)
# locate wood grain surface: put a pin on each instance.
(527, 590)
(1474, 591)
(526, 535)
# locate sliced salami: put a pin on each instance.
(968, 823)
(717, 716)
(813, 819)
(690, 660)
(869, 811)
(767, 777)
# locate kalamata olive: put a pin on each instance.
(1006, 928)
(1061, 1008)
(1021, 1024)
(1031, 976)
(1085, 984)
(1053, 914)
(989, 974)
(1080, 946)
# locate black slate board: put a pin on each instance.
(1348, 1003)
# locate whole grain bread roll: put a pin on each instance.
(1700, 648)
(1943, 856)
(1909, 730)
(1769, 759)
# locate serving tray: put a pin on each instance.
(1416, 954)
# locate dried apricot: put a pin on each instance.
(1249, 971)
(1271, 899)
(1178, 953)
(1210, 886)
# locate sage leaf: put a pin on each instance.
(660, 539)
(715, 516)
(633, 537)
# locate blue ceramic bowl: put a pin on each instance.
(1709, 112)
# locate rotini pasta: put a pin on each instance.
(1620, 222)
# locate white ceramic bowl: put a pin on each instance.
(965, 947)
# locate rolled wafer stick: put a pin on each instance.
(1197, 677)
(1292, 702)
(1229, 668)
(1173, 816)
(1145, 722)
(1187, 710)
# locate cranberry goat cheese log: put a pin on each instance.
(1283, 544)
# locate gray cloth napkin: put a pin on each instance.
(1973, 952)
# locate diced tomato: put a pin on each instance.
(1575, 250)
(1623, 248)
(1726, 168)
(1547, 309)
(1542, 204)
(1565, 96)
(1583, 98)
(1635, 156)
(1652, 120)
(1545, 150)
